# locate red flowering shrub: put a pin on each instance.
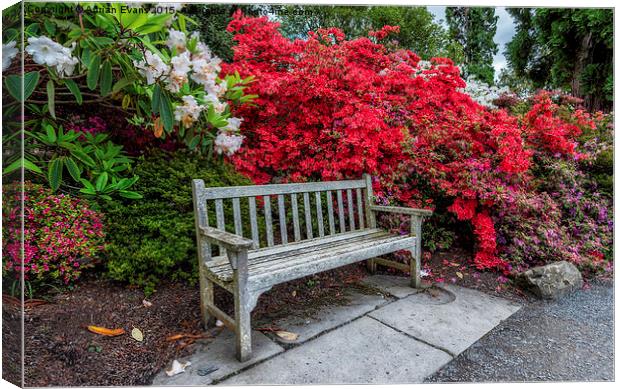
(331, 108)
(60, 234)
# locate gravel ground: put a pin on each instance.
(567, 340)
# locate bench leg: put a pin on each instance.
(371, 266)
(243, 326)
(414, 271)
(206, 299)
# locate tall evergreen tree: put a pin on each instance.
(419, 32)
(570, 49)
(474, 28)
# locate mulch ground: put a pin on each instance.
(60, 351)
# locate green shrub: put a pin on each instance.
(153, 239)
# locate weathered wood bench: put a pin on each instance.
(247, 269)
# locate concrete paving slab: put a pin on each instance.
(329, 317)
(220, 354)
(452, 325)
(396, 286)
(361, 352)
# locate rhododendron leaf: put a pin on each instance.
(51, 98)
(87, 184)
(51, 134)
(155, 99)
(165, 109)
(73, 168)
(75, 90)
(193, 142)
(86, 57)
(82, 156)
(120, 84)
(13, 84)
(93, 72)
(54, 173)
(28, 165)
(106, 78)
(101, 182)
(129, 194)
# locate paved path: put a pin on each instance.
(395, 336)
(567, 340)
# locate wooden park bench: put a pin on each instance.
(252, 260)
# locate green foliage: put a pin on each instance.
(212, 20)
(418, 30)
(105, 55)
(568, 49)
(154, 239)
(76, 158)
(474, 28)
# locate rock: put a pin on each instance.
(551, 281)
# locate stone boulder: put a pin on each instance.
(551, 281)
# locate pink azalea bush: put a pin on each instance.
(61, 234)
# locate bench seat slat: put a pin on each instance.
(284, 262)
(269, 253)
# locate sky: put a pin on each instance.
(505, 32)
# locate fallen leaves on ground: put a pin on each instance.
(106, 331)
(137, 334)
(286, 335)
(177, 368)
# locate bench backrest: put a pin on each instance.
(304, 210)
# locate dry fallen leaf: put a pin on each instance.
(159, 128)
(286, 335)
(294, 293)
(106, 331)
(177, 368)
(459, 274)
(137, 334)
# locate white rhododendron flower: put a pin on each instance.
(483, 93)
(176, 40)
(45, 51)
(226, 143)
(233, 125)
(218, 105)
(9, 51)
(152, 67)
(181, 66)
(189, 112)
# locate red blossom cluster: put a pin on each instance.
(60, 233)
(331, 108)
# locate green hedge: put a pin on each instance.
(153, 239)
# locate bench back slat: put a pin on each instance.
(351, 212)
(319, 210)
(268, 222)
(282, 219)
(253, 221)
(330, 213)
(340, 210)
(237, 216)
(319, 214)
(308, 216)
(296, 229)
(360, 208)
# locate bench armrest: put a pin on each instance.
(401, 210)
(225, 239)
